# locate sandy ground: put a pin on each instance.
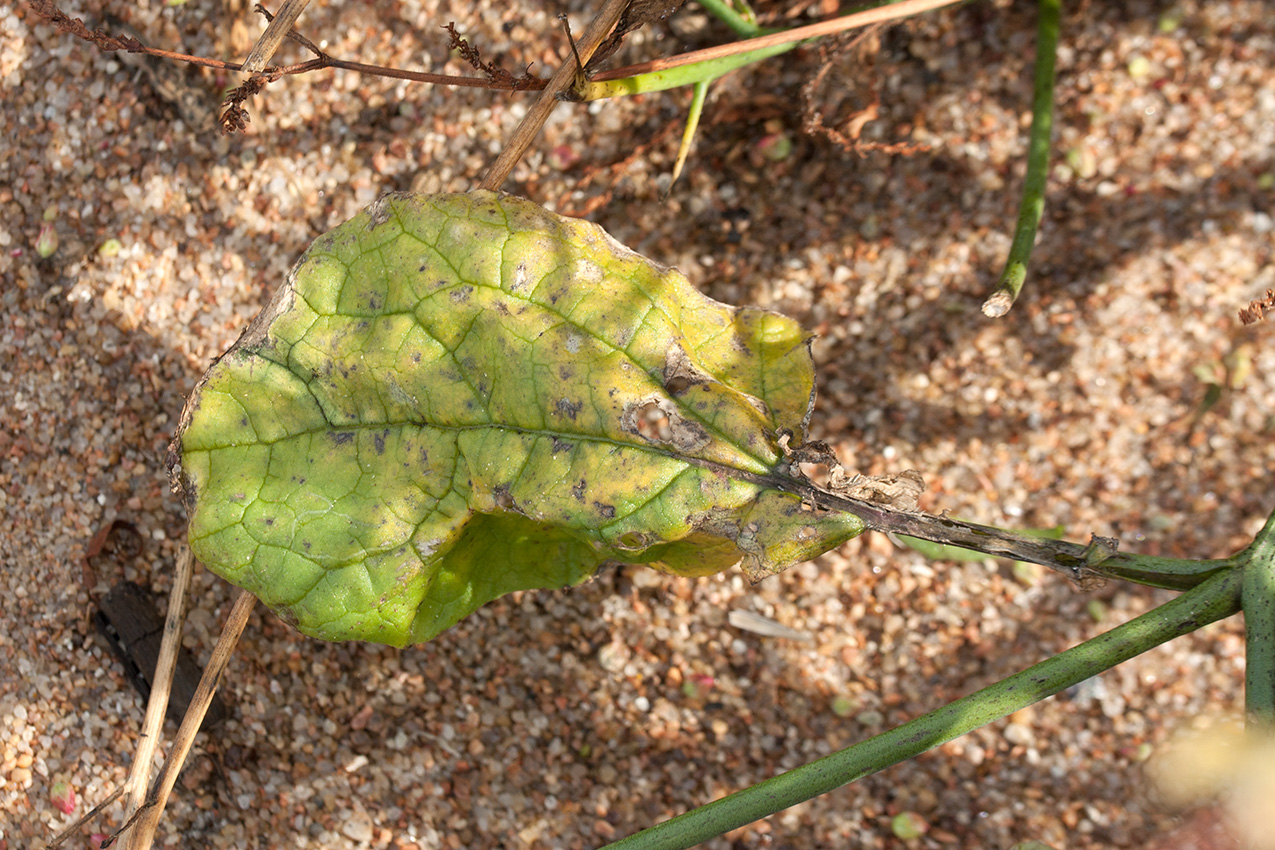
(566, 719)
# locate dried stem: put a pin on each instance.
(108, 42)
(893, 12)
(561, 81)
(1258, 308)
(276, 31)
(146, 820)
(139, 774)
(236, 117)
(62, 836)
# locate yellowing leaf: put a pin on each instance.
(458, 396)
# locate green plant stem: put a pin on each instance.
(1032, 205)
(724, 12)
(1259, 626)
(692, 123)
(655, 75)
(1214, 599)
(681, 75)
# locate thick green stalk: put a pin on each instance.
(1259, 626)
(1169, 573)
(1214, 599)
(1033, 203)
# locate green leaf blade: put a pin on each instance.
(459, 396)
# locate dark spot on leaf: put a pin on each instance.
(566, 373)
(607, 511)
(577, 490)
(378, 441)
(373, 303)
(269, 520)
(561, 446)
(503, 497)
(569, 409)
(461, 294)
(243, 422)
(416, 357)
(305, 544)
(343, 437)
(502, 308)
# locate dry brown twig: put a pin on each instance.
(636, 15)
(494, 72)
(48, 10)
(145, 821)
(238, 119)
(84, 819)
(157, 705)
(561, 81)
(277, 30)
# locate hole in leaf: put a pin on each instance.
(677, 385)
(816, 473)
(632, 540)
(653, 423)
